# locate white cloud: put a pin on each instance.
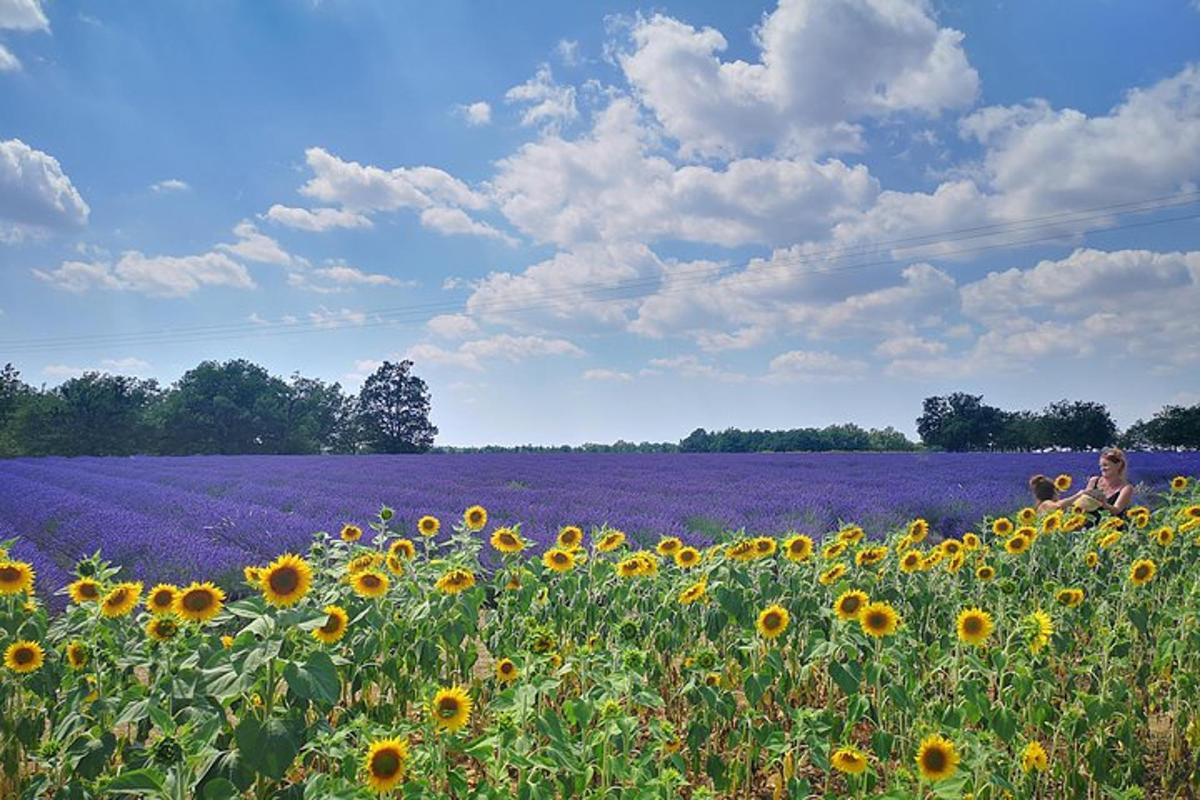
(326, 318)
(452, 326)
(823, 65)
(23, 15)
(35, 194)
(567, 51)
(476, 114)
(316, 219)
(547, 103)
(691, 366)
(340, 273)
(8, 61)
(170, 185)
(808, 365)
(253, 245)
(256, 319)
(368, 188)
(606, 375)
(129, 365)
(908, 346)
(455, 221)
(161, 276)
(479, 354)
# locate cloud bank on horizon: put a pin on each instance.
(818, 214)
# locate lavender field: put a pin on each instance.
(184, 518)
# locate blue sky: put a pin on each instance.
(589, 221)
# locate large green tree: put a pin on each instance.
(393, 411)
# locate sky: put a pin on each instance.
(597, 220)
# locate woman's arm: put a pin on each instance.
(1124, 499)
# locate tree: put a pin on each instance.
(1078, 425)
(105, 414)
(318, 417)
(959, 421)
(1172, 426)
(393, 411)
(14, 393)
(225, 408)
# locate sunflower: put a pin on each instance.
(687, 557)
(1074, 522)
(610, 541)
(253, 575)
(227, 641)
(1034, 758)
(121, 599)
(506, 671)
(798, 548)
(1062, 482)
(985, 572)
(1002, 526)
(558, 560)
(712, 680)
(740, 551)
(570, 537)
(1142, 572)
(911, 561)
(395, 564)
(1109, 539)
(199, 602)
(84, 590)
(954, 563)
(879, 619)
(951, 547)
(918, 529)
(849, 760)
(1071, 598)
(451, 708)
(937, 759)
(1112, 524)
(403, 548)
(1140, 519)
(764, 546)
(974, 626)
(16, 577)
(350, 533)
(336, 622)
(24, 656)
(1179, 483)
(161, 599)
(286, 580)
(506, 540)
(832, 574)
(1091, 559)
(428, 526)
(1192, 511)
(385, 763)
(370, 583)
(849, 604)
(455, 581)
(870, 556)
(850, 535)
(693, 593)
(1164, 535)
(772, 621)
(363, 562)
(932, 558)
(160, 629)
(833, 550)
(77, 655)
(630, 567)
(1052, 522)
(647, 563)
(1041, 629)
(1016, 545)
(475, 518)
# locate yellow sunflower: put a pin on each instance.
(1074, 522)
(161, 599)
(84, 590)
(506, 540)
(974, 626)
(918, 529)
(850, 604)
(370, 583)
(395, 564)
(1015, 545)
(199, 602)
(798, 548)
(506, 671)
(475, 518)
(363, 562)
(610, 541)
(1041, 629)
(385, 764)
(1002, 526)
(559, 560)
(1091, 559)
(428, 526)
(985, 572)
(24, 656)
(1026, 516)
(1192, 511)
(951, 547)
(1142, 572)
(870, 556)
(451, 708)
(851, 535)
(1179, 483)
(350, 533)
(569, 537)
(403, 548)
(1071, 598)
(772, 621)
(16, 577)
(336, 622)
(647, 563)
(764, 546)
(849, 760)
(937, 759)
(286, 580)
(1062, 482)
(160, 629)
(1109, 539)
(1033, 758)
(687, 557)
(253, 575)
(693, 593)
(77, 655)
(1164, 536)
(121, 599)
(227, 641)
(668, 546)
(455, 581)
(1052, 522)
(912, 561)
(833, 550)
(740, 551)
(832, 574)
(630, 567)
(879, 619)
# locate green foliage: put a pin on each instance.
(961, 421)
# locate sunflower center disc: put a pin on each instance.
(285, 581)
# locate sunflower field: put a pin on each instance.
(1035, 656)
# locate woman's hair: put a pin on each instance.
(1115, 455)
(1042, 487)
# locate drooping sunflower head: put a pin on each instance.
(1074, 522)
(798, 548)
(199, 602)
(610, 540)
(629, 567)
(336, 622)
(160, 629)
(1179, 483)
(850, 604)
(395, 564)
(1034, 758)
(1191, 512)
(687, 557)
(1142, 571)
(385, 764)
(668, 546)
(764, 546)
(161, 599)
(451, 708)
(1002, 526)
(870, 556)
(1063, 482)
(985, 572)
(849, 760)
(851, 535)
(932, 558)
(370, 583)
(455, 581)
(741, 550)
(506, 671)
(937, 759)
(1109, 539)
(559, 560)
(1069, 597)
(647, 563)
(286, 580)
(475, 517)
(833, 550)
(974, 626)
(693, 593)
(403, 549)
(1041, 628)
(16, 577)
(879, 619)
(77, 655)
(569, 537)
(1052, 521)
(362, 562)
(84, 590)
(772, 621)
(121, 599)
(429, 526)
(832, 575)
(350, 533)
(24, 656)
(918, 529)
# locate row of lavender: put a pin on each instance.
(183, 518)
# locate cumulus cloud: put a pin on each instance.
(476, 114)
(253, 245)
(546, 103)
(479, 354)
(316, 220)
(567, 51)
(809, 365)
(160, 276)
(336, 318)
(452, 326)
(692, 366)
(456, 222)
(35, 193)
(369, 188)
(338, 278)
(170, 185)
(8, 61)
(128, 365)
(23, 15)
(607, 375)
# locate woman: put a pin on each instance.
(1110, 490)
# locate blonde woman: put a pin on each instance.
(1110, 490)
